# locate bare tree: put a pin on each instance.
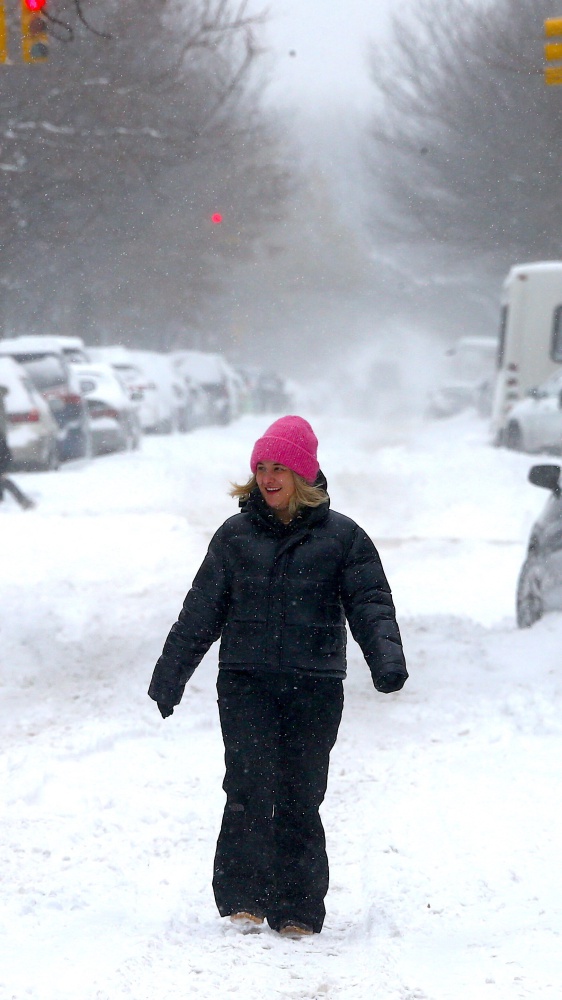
(111, 155)
(467, 135)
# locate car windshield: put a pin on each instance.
(45, 370)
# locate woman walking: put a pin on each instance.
(277, 584)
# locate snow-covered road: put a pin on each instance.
(442, 813)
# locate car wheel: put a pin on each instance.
(52, 462)
(513, 437)
(167, 426)
(88, 444)
(79, 444)
(130, 435)
(529, 593)
(130, 438)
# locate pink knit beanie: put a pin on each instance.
(291, 442)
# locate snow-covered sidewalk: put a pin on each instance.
(442, 813)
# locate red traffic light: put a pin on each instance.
(35, 4)
(216, 218)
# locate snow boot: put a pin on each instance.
(295, 929)
(245, 921)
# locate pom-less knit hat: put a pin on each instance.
(291, 442)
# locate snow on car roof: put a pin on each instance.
(68, 341)
(93, 368)
(204, 367)
(112, 353)
(29, 344)
(104, 383)
(14, 378)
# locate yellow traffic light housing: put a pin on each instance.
(553, 75)
(552, 27)
(34, 37)
(3, 34)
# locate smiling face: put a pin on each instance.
(277, 486)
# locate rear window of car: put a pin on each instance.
(556, 346)
(44, 370)
(13, 379)
(504, 313)
(75, 354)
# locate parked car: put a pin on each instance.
(469, 381)
(114, 418)
(53, 377)
(73, 348)
(272, 393)
(142, 388)
(535, 422)
(218, 380)
(167, 405)
(539, 586)
(197, 401)
(32, 429)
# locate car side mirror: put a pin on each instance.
(547, 476)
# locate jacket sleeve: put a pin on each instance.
(369, 609)
(199, 625)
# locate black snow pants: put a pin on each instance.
(278, 730)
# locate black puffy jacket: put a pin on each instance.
(278, 596)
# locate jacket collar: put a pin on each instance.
(307, 517)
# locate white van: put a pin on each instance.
(530, 344)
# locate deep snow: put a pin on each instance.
(442, 813)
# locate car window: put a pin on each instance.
(504, 313)
(45, 371)
(75, 354)
(556, 344)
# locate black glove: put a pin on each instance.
(165, 710)
(392, 681)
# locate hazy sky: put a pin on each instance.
(329, 39)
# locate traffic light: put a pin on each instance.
(3, 34)
(553, 51)
(216, 218)
(34, 38)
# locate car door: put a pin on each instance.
(547, 419)
(544, 423)
(550, 554)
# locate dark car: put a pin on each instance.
(52, 376)
(539, 587)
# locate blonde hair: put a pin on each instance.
(305, 495)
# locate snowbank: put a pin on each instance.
(442, 813)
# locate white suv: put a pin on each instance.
(52, 376)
